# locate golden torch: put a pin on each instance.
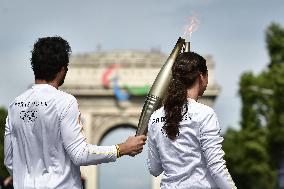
(159, 87)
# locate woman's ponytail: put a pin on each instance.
(185, 71)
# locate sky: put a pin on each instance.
(233, 32)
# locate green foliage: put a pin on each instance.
(3, 115)
(247, 159)
(254, 152)
(275, 43)
(276, 119)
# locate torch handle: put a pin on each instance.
(151, 104)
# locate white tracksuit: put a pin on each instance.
(194, 160)
(44, 141)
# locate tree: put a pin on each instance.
(254, 152)
(246, 149)
(247, 159)
(275, 44)
(3, 115)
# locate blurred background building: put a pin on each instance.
(111, 87)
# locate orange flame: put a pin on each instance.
(194, 22)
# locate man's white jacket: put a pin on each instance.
(44, 141)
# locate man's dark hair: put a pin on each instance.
(49, 55)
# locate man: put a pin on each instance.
(44, 140)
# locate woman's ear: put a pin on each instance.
(63, 69)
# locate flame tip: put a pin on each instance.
(192, 26)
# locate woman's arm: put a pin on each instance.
(154, 162)
(211, 145)
(8, 148)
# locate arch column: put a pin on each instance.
(156, 182)
(89, 172)
(96, 125)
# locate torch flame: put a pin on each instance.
(191, 27)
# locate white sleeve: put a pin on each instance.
(211, 145)
(74, 141)
(8, 148)
(153, 162)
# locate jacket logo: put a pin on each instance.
(28, 116)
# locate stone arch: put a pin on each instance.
(103, 127)
(102, 112)
(120, 125)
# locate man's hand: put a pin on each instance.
(133, 145)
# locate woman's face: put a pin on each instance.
(203, 83)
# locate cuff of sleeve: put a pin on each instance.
(105, 152)
(117, 151)
(114, 152)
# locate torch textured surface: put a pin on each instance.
(158, 89)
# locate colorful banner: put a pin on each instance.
(124, 92)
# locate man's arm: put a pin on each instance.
(83, 153)
(211, 145)
(8, 148)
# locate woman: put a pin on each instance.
(184, 136)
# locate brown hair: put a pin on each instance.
(185, 71)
